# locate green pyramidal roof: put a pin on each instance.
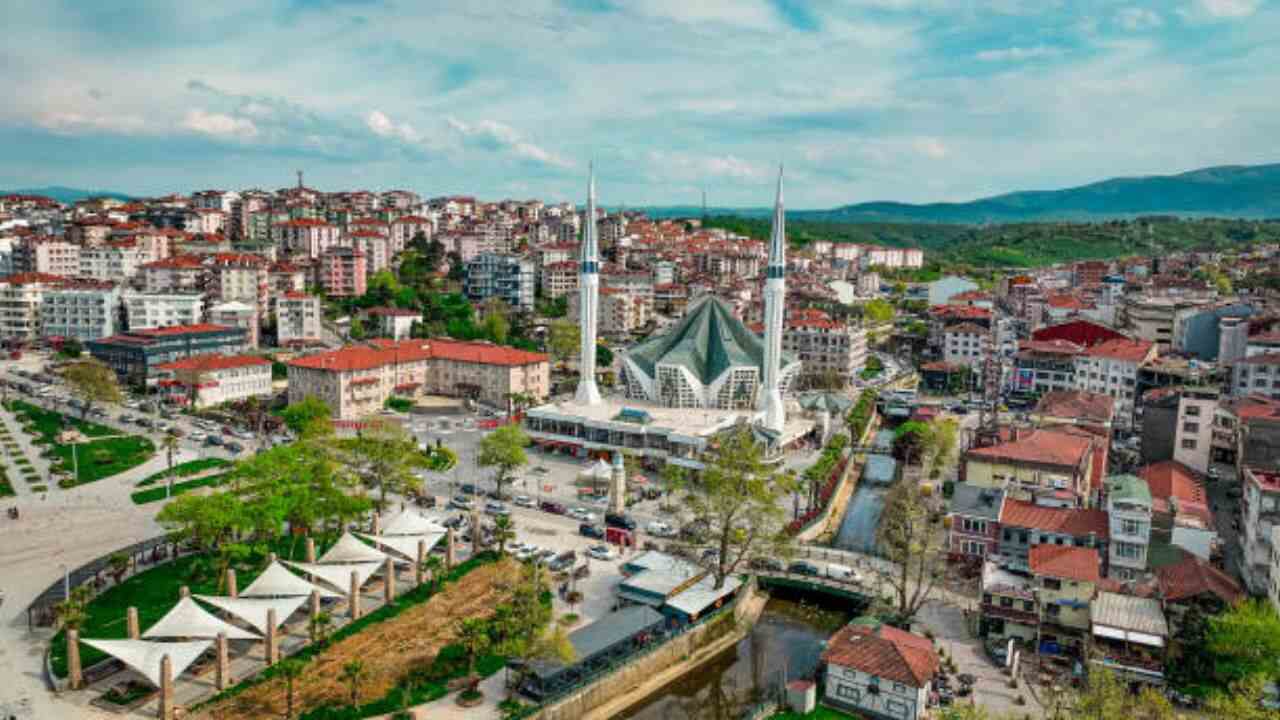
(708, 341)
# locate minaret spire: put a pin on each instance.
(775, 298)
(588, 300)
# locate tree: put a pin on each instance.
(912, 545)
(1245, 642)
(93, 382)
(878, 311)
(387, 456)
(503, 450)
(1242, 702)
(912, 439)
(432, 565)
(1105, 697)
(71, 348)
(495, 323)
(504, 531)
(309, 416)
(74, 610)
(738, 499)
(604, 356)
(291, 669)
(943, 439)
(353, 673)
(563, 339)
(473, 635)
(356, 330)
(319, 626)
(119, 566)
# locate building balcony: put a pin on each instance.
(1013, 614)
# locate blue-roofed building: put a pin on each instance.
(943, 289)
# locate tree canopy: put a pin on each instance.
(503, 450)
(93, 383)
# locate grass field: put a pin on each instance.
(92, 460)
(185, 469)
(155, 494)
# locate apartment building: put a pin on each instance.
(975, 521)
(1260, 507)
(826, 347)
(209, 380)
(1024, 526)
(559, 279)
(1111, 368)
(135, 354)
(116, 260)
(178, 273)
(343, 272)
(84, 310)
(46, 255)
(143, 310)
(297, 318)
(1257, 375)
(509, 278)
(1129, 508)
(21, 299)
(239, 277)
(306, 236)
(404, 228)
(1055, 464)
(237, 314)
(965, 344)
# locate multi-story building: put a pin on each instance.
(1130, 637)
(1044, 463)
(1025, 526)
(46, 255)
(1257, 375)
(179, 273)
(1111, 367)
(1066, 579)
(208, 380)
(965, 344)
(404, 228)
(559, 279)
(135, 354)
(84, 310)
(1009, 608)
(876, 670)
(297, 319)
(376, 248)
(114, 260)
(826, 347)
(240, 277)
(1158, 318)
(144, 310)
(357, 380)
(1260, 507)
(306, 236)
(21, 299)
(237, 314)
(1129, 510)
(621, 312)
(390, 322)
(509, 278)
(343, 272)
(975, 521)
(1043, 366)
(283, 277)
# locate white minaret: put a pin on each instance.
(775, 299)
(589, 301)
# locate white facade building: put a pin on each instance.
(80, 310)
(153, 310)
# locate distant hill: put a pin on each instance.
(1232, 191)
(66, 194)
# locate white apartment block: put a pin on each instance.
(559, 279)
(825, 346)
(116, 261)
(209, 380)
(80, 310)
(21, 298)
(1261, 510)
(1257, 375)
(306, 236)
(1193, 435)
(236, 314)
(51, 256)
(153, 310)
(1129, 515)
(1111, 368)
(965, 343)
(297, 318)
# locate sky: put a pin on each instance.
(860, 100)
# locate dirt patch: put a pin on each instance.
(389, 650)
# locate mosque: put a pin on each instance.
(707, 375)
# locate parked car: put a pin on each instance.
(426, 501)
(619, 520)
(496, 509)
(766, 564)
(562, 562)
(803, 567)
(694, 531)
(657, 528)
(524, 501)
(235, 447)
(554, 508)
(602, 552)
(213, 440)
(460, 502)
(581, 513)
(469, 489)
(843, 573)
(591, 531)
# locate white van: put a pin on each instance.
(843, 573)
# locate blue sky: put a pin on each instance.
(912, 100)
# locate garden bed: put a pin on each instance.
(94, 459)
(156, 494)
(186, 469)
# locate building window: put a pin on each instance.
(1188, 444)
(1052, 583)
(1190, 427)
(1193, 411)
(1052, 610)
(848, 692)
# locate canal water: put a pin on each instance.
(858, 527)
(785, 643)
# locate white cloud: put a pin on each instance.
(1229, 8)
(684, 166)
(493, 135)
(382, 126)
(931, 147)
(219, 124)
(74, 122)
(1137, 19)
(1013, 54)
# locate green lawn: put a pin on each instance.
(155, 494)
(6, 489)
(185, 469)
(820, 713)
(154, 593)
(93, 460)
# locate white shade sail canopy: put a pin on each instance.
(339, 574)
(350, 550)
(145, 656)
(277, 581)
(254, 610)
(411, 522)
(188, 620)
(406, 545)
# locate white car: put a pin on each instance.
(524, 501)
(581, 513)
(657, 528)
(601, 552)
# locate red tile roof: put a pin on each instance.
(1081, 332)
(1043, 446)
(179, 330)
(1050, 347)
(1076, 522)
(486, 353)
(1174, 485)
(213, 363)
(31, 278)
(884, 652)
(1065, 561)
(1124, 349)
(1067, 302)
(1192, 577)
(385, 352)
(1077, 405)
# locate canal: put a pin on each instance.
(785, 643)
(858, 527)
